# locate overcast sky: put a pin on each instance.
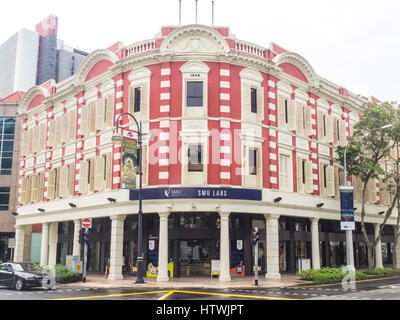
(353, 43)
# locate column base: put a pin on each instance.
(162, 279)
(115, 277)
(225, 278)
(271, 275)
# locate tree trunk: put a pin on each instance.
(370, 244)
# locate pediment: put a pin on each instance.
(194, 39)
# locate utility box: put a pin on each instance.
(73, 263)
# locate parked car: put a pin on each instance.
(21, 275)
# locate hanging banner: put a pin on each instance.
(129, 168)
(346, 208)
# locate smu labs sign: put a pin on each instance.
(197, 193)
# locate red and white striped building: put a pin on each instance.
(237, 124)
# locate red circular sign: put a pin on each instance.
(87, 223)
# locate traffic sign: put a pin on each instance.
(87, 223)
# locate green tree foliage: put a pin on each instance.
(366, 153)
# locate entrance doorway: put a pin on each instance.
(194, 258)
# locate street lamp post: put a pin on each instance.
(117, 138)
(345, 183)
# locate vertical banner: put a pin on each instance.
(129, 168)
(346, 208)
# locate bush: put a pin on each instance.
(327, 274)
(64, 275)
(382, 271)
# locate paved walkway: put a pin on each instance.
(98, 281)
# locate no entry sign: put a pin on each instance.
(87, 223)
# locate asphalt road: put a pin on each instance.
(372, 289)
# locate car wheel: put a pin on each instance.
(19, 284)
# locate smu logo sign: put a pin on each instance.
(197, 193)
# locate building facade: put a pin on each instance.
(236, 136)
(10, 138)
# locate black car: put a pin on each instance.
(21, 275)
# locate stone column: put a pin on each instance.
(76, 249)
(163, 248)
(315, 243)
(53, 239)
(44, 250)
(116, 247)
(378, 248)
(272, 242)
(224, 248)
(19, 243)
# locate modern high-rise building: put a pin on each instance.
(34, 57)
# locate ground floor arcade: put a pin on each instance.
(182, 244)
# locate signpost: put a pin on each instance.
(347, 218)
(87, 224)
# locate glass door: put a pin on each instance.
(195, 258)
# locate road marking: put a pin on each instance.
(166, 295)
(336, 284)
(112, 295)
(234, 295)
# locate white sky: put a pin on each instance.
(353, 43)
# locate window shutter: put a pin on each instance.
(329, 128)
(299, 118)
(24, 143)
(83, 177)
(36, 139)
(300, 187)
(321, 180)
(41, 186)
(30, 140)
(260, 104)
(52, 133)
(281, 112)
(99, 173)
(143, 99)
(92, 117)
(247, 99)
(63, 183)
(110, 111)
(51, 183)
(65, 128)
(383, 193)
(131, 105)
(109, 169)
(372, 189)
(42, 137)
(100, 112)
(309, 178)
(71, 179)
(84, 129)
(337, 184)
(292, 115)
(59, 125)
(335, 130)
(92, 174)
(308, 129)
(72, 125)
(351, 129)
(343, 134)
(35, 188)
(320, 120)
(330, 181)
(24, 190)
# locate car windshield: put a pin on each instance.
(27, 267)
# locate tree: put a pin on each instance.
(366, 150)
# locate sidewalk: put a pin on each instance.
(98, 281)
